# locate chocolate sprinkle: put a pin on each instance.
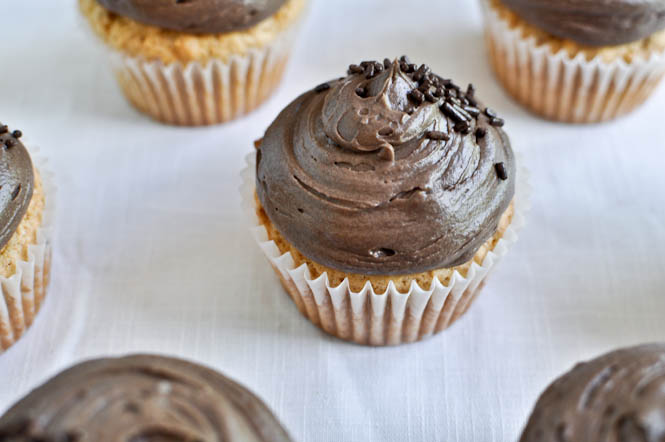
(437, 135)
(481, 132)
(4, 129)
(370, 71)
(361, 92)
(472, 110)
(490, 112)
(10, 143)
(424, 86)
(320, 88)
(416, 96)
(463, 112)
(470, 91)
(497, 122)
(387, 63)
(501, 171)
(463, 127)
(355, 69)
(421, 72)
(452, 112)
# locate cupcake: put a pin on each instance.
(577, 61)
(196, 62)
(383, 199)
(25, 246)
(618, 397)
(140, 398)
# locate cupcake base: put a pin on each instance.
(565, 86)
(369, 316)
(24, 294)
(196, 94)
(395, 325)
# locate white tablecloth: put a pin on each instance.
(152, 252)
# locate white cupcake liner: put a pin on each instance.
(388, 318)
(564, 88)
(23, 293)
(195, 94)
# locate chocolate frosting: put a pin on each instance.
(140, 398)
(16, 183)
(594, 22)
(369, 175)
(618, 397)
(196, 16)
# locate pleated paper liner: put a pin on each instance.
(24, 292)
(195, 94)
(389, 318)
(564, 88)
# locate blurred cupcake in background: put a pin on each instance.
(196, 62)
(616, 397)
(26, 211)
(383, 200)
(577, 61)
(141, 398)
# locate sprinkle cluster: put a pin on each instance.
(459, 105)
(9, 142)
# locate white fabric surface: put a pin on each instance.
(152, 252)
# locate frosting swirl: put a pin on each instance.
(16, 183)
(594, 22)
(390, 170)
(619, 396)
(196, 16)
(140, 398)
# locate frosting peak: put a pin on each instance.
(366, 115)
(389, 170)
